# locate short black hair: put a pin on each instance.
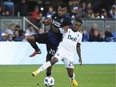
(63, 5)
(79, 20)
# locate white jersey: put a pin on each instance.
(67, 47)
(70, 40)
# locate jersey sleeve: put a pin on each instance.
(80, 38)
(61, 30)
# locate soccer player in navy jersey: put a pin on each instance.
(53, 37)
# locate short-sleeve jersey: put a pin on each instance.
(54, 34)
(70, 40)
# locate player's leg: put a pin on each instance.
(51, 49)
(45, 66)
(72, 76)
(70, 70)
(49, 69)
(32, 42)
(40, 38)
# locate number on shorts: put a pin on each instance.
(52, 51)
(71, 63)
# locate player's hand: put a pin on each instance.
(42, 20)
(48, 20)
(65, 28)
(80, 61)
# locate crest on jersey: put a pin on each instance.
(55, 17)
(61, 20)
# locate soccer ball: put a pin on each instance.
(49, 81)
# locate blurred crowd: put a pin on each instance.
(15, 33)
(95, 35)
(76, 9)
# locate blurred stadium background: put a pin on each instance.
(19, 14)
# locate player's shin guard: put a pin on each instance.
(73, 76)
(44, 66)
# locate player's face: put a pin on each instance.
(76, 26)
(62, 11)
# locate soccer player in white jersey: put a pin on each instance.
(72, 38)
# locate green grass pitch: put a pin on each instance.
(86, 75)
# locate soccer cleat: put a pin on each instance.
(35, 53)
(74, 83)
(35, 73)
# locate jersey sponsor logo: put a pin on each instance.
(57, 24)
(72, 38)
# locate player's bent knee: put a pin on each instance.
(54, 60)
(30, 39)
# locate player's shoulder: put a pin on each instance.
(67, 16)
(69, 29)
(79, 33)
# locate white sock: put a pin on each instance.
(44, 66)
(72, 78)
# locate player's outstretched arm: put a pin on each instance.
(78, 49)
(47, 22)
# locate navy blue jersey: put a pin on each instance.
(54, 34)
